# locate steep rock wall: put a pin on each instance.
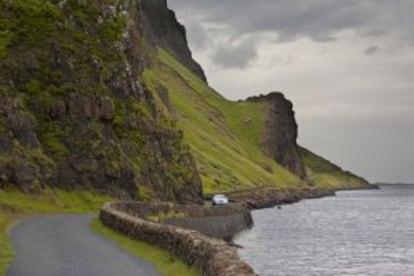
(280, 133)
(162, 28)
(73, 110)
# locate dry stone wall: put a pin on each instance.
(213, 257)
(219, 222)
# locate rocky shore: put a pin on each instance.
(267, 197)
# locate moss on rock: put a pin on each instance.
(72, 72)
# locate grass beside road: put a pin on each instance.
(164, 262)
(15, 205)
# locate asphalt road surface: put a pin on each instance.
(64, 245)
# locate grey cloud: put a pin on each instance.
(357, 112)
(317, 19)
(212, 23)
(368, 146)
(235, 55)
(198, 36)
(280, 61)
(371, 50)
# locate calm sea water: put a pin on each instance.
(369, 233)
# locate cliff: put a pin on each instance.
(106, 96)
(162, 29)
(74, 112)
(280, 133)
(231, 141)
(244, 144)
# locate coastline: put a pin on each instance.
(211, 256)
(268, 197)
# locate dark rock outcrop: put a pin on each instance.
(74, 112)
(280, 133)
(162, 28)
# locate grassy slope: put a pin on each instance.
(325, 174)
(224, 136)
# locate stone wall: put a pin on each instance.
(213, 257)
(218, 222)
(223, 227)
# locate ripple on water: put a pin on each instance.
(369, 233)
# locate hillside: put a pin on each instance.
(106, 96)
(323, 173)
(243, 144)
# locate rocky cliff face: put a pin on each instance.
(73, 110)
(280, 133)
(162, 29)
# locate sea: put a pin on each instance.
(358, 233)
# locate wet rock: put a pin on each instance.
(107, 109)
(24, 173)
(19, 122)
(58, 110)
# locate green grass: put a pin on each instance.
(163, 261)
(224, 136)
(15, 205)
(324, 174)
(335, 181)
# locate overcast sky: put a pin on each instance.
(347, 65)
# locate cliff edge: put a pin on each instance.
(162, 29)
(280, 133)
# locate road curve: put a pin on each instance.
(64, 245)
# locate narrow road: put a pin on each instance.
(64, 245)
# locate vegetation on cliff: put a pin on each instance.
(229, 140)
(73, 110)
(326, 175)
(88, 101)
(104, 96)
(225, 150)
